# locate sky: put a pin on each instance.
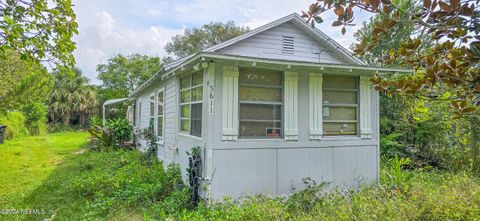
(110, 27)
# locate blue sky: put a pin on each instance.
(108, 27)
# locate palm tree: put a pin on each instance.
(71, 97)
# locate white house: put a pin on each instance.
(268, 108)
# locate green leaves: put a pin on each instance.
(39, 32)
(195, 39)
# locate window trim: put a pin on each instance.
(138, 122)
(274, 103)
(356, 106)
(180, 103)
(160, 139)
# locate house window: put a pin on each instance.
(261, 101)
(340, 105)
(160, 115)
(152, 110)
(191, 94)
(138, 122)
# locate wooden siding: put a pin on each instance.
(268, 44)
(242, 172)
(166, 152)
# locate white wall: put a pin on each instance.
(268, 44)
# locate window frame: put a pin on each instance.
(190, 88)
(273, 103)
(160, 139)
(356, 106)
(138, 122)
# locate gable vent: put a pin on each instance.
(288, 44)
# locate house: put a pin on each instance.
(268, 109)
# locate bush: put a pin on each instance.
(36, 114)
(15, 122)
(114, 134)
(121, 130)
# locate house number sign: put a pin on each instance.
(211, 103)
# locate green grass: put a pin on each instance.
(44, 173)
(26, 163)
(49, 173)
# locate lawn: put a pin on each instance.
(50, 174)
(25, 163)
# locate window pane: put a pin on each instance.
(339, 97)
(260, 77)
(197, 120)
(340, 113)
(339, 129)
(152, 106)
(160, 127)
(185, 111)
(260, 112)
(160, 97)
(186, 81)
(185, 125)
(339, 82)
(160, 109)
(185, 96)
(248, 93)
(260, 130)
(197, 94)
(197, 78)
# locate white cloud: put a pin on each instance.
(108, 27)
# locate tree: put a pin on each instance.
(122, 74)
(450, 70)
(38, 30)
(71, 98)
(376, 55)
(22, 82)
(195, 39)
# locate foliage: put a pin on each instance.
(36, 114)
(120, 129)
(72, 98)
(389, 146)
(193, 40)
(449, 70)
(15, 122)
(432, 196)
(116, 185)
(150, 153)
(376, 55)
(395, 176)
(39, 31)
(194, 172)
(121, 75)
(22, 82)
(113, 135)
(101, 138)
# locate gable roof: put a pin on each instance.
(295, 19)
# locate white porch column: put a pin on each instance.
(316, 99)
(291, 105)
(365, 107)
(230, 103)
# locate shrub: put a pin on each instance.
(36, 114)
(121, 130)
(114, 134)
(15, 122)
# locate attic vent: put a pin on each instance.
(288, 45)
